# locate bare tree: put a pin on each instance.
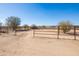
(13, 22)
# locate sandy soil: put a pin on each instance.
(24, 44)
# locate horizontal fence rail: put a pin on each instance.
(57, 31)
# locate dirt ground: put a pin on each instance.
(24, 44)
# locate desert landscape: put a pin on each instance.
(24, 44)
(39, 29)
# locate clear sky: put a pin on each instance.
(41, 14)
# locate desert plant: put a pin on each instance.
(26, 27)
(43, 26)
(65, 26)
(13, 22)
(34, 26)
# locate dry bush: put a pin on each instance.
(65, 26)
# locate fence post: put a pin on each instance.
(58, 29)
(33, 33)
(74, 32)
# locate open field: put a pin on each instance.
(25, 44)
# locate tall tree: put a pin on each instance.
(13, 22)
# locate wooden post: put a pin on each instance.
(58, 32)
(33, 33)
(74, 32)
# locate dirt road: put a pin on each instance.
(25, 45)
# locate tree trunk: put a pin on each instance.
(0, 30)
(7, 30)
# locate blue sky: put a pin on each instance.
(41, 13)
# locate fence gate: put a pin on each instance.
(56, 33)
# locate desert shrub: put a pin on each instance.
(65, 26)
(26, 27)
(34, 27)
(43, 26)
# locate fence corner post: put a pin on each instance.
(74, 32)
(33, 33)
(58, 31)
